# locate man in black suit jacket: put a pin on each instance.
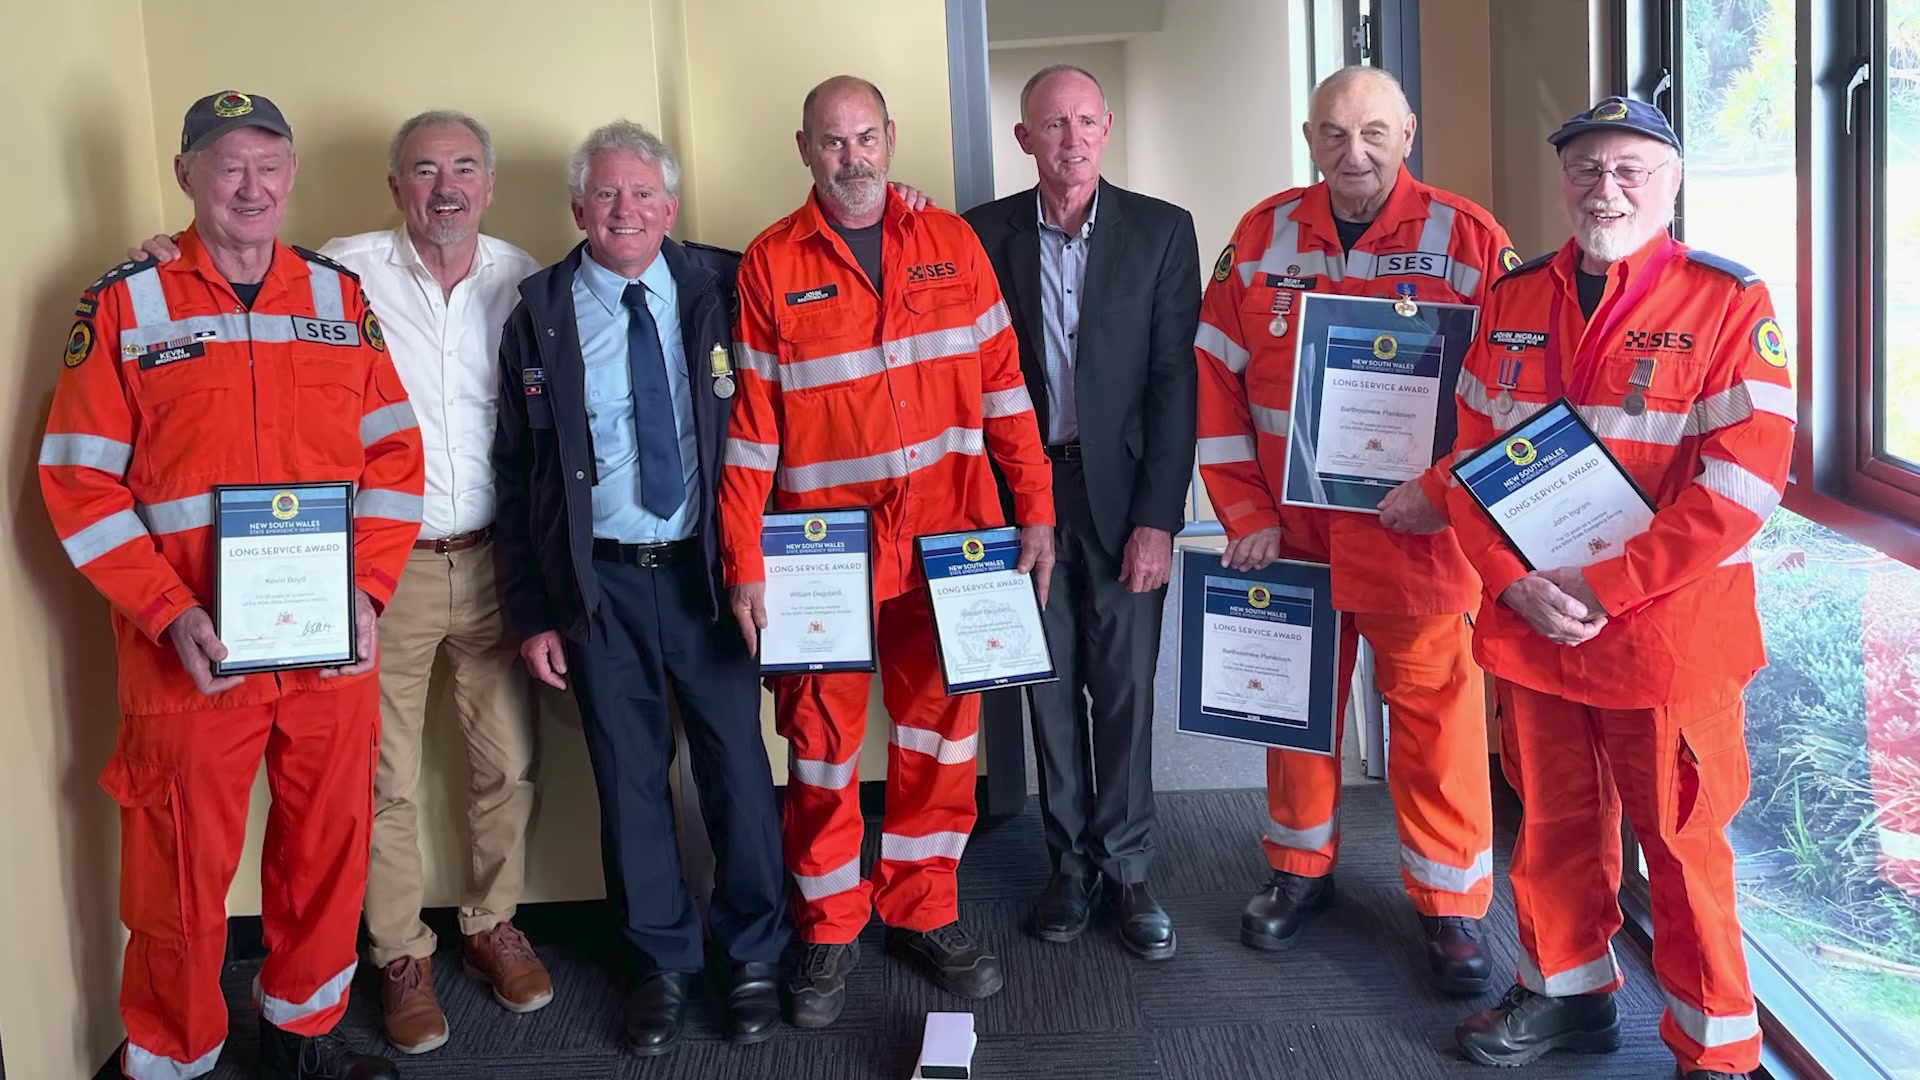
(1104, 289)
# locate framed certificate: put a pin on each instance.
(1372, 397)
(1259, 653)
(1556, 492)
(986, 617)
(819, 592)
(283, 576)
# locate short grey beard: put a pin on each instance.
(1607, 244)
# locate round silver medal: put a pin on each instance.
(1406, 307)
(1503, 404)
(723, 386)
(1634, 403)
(1278, 327)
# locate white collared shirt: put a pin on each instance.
(447, 350)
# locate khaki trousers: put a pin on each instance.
(450, 600)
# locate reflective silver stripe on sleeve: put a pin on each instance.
(1309, 839)
(89, 451)
(1225, 449)
(148, 300)
(387, 503)
(765, 365)
(842, 878)
(1009, 402)
(1214, 341)
(992, 321)
(930, 345)
(386, 420)
(1271, 421)
(940, 845)
(886, 465)
(930, 743)
(103, 536)
(753, 455)
(822, 774)
(1738, 403)
(1738, 485)
(177, 515)
(325, 282)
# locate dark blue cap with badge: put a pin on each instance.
(216, 114)
(1618, 114)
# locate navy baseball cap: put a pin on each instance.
(1618, 114)
(216, 114)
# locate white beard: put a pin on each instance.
(1613, 241)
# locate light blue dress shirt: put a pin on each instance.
(1063, 276)
(602, 321)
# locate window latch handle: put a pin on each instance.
(1862, 72)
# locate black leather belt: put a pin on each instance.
(1064, 451)
(645, 556)
(461, 542)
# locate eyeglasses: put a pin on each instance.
(1627, 176)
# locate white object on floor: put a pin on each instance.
(946, 1051)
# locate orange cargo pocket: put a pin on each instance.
(153, 851)
(1710, 779)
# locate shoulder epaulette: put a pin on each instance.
(1726, 266)
(316, 257)
(717, 250)
(1527, 267)
(124, 270)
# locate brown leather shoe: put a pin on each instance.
(411, 1013)
(502, 958)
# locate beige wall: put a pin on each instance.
(1541, 73)
(1008, 72)
(73, 76)
(1456, 92)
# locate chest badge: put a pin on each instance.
(1509, 378)
(1282, 307)
(721, 367)
(1635, 402)
(1405, 305)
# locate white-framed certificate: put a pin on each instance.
(283, 576)
(1555, 491)
(819, 574)
(986, 617)
(1372, 396)
(1259, 653)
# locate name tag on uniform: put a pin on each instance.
(813, 295)
(1278, 281)
(1517, 340)
(164, 355)
(325, 332)
(1420, 263)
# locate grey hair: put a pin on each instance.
(632, 138)
(434, 117)
(1354, 73)
(1050, 71)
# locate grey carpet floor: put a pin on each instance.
(1349, 1001)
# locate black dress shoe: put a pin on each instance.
(1457, 954)
(656, 1011)
(950, 957)
(286, 1056)
(1526, 1025)
(753, 1002)
(1711, 1074)
(817, 982)
(1144, 926)
(1273, 918)
(1065, 908)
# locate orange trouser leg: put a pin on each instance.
(182, 781)
(313, 864)
(823, 718)
(1436, 758)
(1566, 860)
(1303, 790)
(930, 774)
(1682, 774)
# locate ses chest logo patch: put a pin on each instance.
(1412, 263)
(932, 271)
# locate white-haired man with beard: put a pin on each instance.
(1620, 682)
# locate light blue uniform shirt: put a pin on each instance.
(1063, 275)
(602, 321)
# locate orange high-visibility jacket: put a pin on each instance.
(171, 386)
(1449, 251)
(848, 398)
(1710, 446)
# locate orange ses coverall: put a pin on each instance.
(170, 387)
(1406, 594)
(848, 398)
(1682, 372)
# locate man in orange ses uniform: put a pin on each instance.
(878, 368)
(243, 361)
(1368, 229)
(1620, 683)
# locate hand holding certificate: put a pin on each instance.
(819, 592)
(986, 614)
(1555, 492)
(283, 577)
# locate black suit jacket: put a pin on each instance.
(543, 450)
(1134, 373)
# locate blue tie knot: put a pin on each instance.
(634, 296)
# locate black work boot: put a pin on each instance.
(1526, 1025)
(1273, 918)
(286, 1056)
(950, 957)
(817, 982)
(1457, 954)
(1709, 1074)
